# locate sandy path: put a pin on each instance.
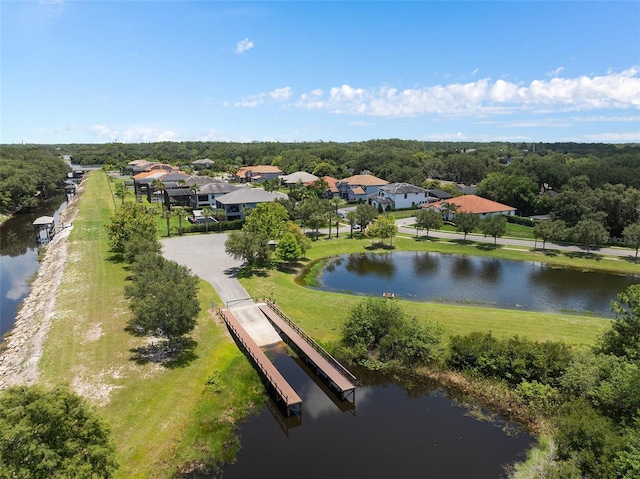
(19, 360)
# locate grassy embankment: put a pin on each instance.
(161, 417)
(321, 313)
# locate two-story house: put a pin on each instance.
(359, 187)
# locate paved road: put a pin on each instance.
(529, 244)
(206, 257)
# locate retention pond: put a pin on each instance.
(475, 280)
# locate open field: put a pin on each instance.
(160, 416)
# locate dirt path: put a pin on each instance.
(23, 347)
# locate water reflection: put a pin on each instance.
(19, 258)
(380, 265)
(397, 430)
(476, 280)
(424, 264)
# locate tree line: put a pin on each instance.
(28, 175)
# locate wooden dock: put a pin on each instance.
(284, 391)
(325, 365)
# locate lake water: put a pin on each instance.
(392, 432)
(475, 280)
(19, 258)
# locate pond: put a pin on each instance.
(19, 258)
(475, 280)
(412, 432)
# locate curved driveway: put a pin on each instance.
(205, 256)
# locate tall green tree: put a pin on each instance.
(589, 232)
(549, 230)
(288, 249)
(494, 226)
(365, 214)
(128, 221)
(52, 433)
(623, 337)
(164, 297)
(466, 223)
(428, 219)
(631, 234)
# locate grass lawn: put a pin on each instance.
(161, 417)
(321, 314)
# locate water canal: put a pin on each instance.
(475, 280)
(19, 257)
(393, 431)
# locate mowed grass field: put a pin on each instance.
(161, 417)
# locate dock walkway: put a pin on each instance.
(339, 377)
(283, 389)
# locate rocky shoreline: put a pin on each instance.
(23, 346)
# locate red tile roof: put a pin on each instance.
(472, 204)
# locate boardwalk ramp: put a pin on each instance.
(338, 377)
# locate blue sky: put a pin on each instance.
(127, 71)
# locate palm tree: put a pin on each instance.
(178, 211)
(207, 211)
(195, 189)
(448, 209)
(219, 214)
(158, 189)
(167, 214)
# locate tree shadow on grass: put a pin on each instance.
(583, 255)
(376, 246)
(488, 247)
(177, 354)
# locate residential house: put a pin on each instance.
(359, 187)
(236, 202)
(297, 179)
(470, 204)
(398, 196)
(258, 173)
(202, 164)
(332, 189)
(209, 192)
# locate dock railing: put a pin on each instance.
(333, 361)
(256, 361)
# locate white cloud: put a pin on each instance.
(277, 95)
(555, 73)
(483, 97)
(244, 45)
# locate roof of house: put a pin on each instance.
(249, 195)
(472, 204)
(401, 188)
(199, 180)
(358, 191)
(218, 187)
(149, 176)
(258, 170)
(298, 176)
(171, 192)
(441, 194)
(363, 180)
(331, 184)
(175, 176)
(203, 161)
